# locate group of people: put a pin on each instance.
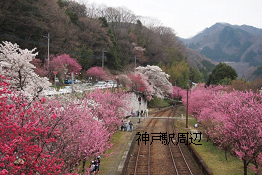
(142, 113)
(124, 125)
(94, 167)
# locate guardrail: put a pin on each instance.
(90, 88)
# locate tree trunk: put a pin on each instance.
(225, 155)
(83, 167)
(245, 167)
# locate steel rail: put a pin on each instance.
(138, 153)
(173, 128)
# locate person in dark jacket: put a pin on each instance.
(97, 164)
(130, 126)
(125, 125)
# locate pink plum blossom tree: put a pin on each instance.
(86, 125)
(258, 169)
(82, 135)
(112, 106)
(97, 72)
(64, 64)
(242, 113)
(55, 136)
(200, 97)
(232, 120)
(176, 92)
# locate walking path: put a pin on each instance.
(110, 165)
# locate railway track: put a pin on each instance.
(179, 161)
(142, 161)
(156, 156)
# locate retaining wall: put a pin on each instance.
(122, 168)
(199, 161)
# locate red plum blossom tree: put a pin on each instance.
(39, 70)
(54, 136)
(139, 83)
(23, 139)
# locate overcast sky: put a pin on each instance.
(188, 17)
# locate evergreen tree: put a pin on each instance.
(222, 74)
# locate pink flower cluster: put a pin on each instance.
(233, 120)
(52, 136)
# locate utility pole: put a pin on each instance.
(187, 106)
(48, 39)
(139, 115)
(135, 61)
(72, 77)
(102, 58)
(55, 72)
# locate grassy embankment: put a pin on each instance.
(211, 154)
(111, 160)
(120, 139)
(109, 165)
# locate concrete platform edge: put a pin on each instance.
(122, 168)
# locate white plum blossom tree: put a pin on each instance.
(16, 67)
(157, 79)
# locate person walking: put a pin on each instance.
(92, 167)
(122, 126)
(125, 126)
(97, 164)
(146, 112)
(130, 126)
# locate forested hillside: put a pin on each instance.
(239, 46)
(89, 32)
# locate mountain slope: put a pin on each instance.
(222, 42)
(76, 31)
